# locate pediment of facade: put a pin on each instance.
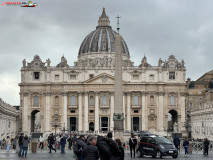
(101, 79)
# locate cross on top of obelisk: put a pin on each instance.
(118, 27)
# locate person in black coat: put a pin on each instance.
(63, 143)
(113, 147)
(132, 144)
(90, 151)
(51, 141)
(118, 141)
(103, 148)
(20, 142)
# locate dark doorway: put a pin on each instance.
(172, 118)
(104, 124)
(135, 124)
(35, 121)
(73, 122)
(91, 126)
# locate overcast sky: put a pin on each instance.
(156, 28)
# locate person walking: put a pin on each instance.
(26, 142)
(80, 146)
(20, 143)
(206, 147)
(14, 142)
(118, 141)
(90, 151)
(8, 143)
(186, 146)
(51, 142)
(132, 144)
(113, 147)
(41, 140)
(103, 148)
(63, 143)
(69, 140)
(176, 141)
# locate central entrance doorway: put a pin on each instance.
(73, 123)
(104, 124)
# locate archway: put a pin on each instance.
(91, 126)
(172, 119)
(35, 121)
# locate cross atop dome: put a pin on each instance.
(103, 19)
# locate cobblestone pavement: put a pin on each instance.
(68, 156)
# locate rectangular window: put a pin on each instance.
(135, 100)
(135, 77)
(91, 101)
(171, 75)
(36, 75)
(172, 100)
(73, 77)
(56, 76)
(151, 77)
(73, 100)
(104, 100)
(72, 111)
(136, 111)
(91, 111)
(36, 101)
(91, 76)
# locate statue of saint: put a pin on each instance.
(160, 63)
(48, 62)
(24, 63)
(182, 63)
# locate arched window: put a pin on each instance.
(36, 101)
(135, 100)
(172, 100)
(56, 100)
(104, 100)
(73, 100)
(91, 101)
(151, 99)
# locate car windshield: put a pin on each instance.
(162, 140)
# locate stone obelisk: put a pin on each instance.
(118, 116)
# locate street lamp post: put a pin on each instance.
(55, 125)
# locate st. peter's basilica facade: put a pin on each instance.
(81, 97)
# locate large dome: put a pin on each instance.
(102, 39)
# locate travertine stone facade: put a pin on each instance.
(81, 97)
(9, 119)
(200, 107)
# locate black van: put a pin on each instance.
(156, 147)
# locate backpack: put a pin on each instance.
(75, 147)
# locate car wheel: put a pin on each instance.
(139, 154)
(158, 155)
(175, 156)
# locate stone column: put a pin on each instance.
(25, 124)
(111, 110)
(124, 111)
(86, 127)
(182, 111)
(144, 112)
(47, 113)
(128, 114)
(96, 112)
(160, 112)
(65, 110)
(80, 115)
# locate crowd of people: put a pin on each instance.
(88, 147)
(186, 143)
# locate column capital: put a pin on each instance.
(47, 93)
(161, 93)
(86, 93)
(25, 93)
(80, 93)
(183, 94)
(111, 93)
(64, 93)
(128, 93)
(97, 93)
(143, 93)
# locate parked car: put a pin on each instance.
(156, 147)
